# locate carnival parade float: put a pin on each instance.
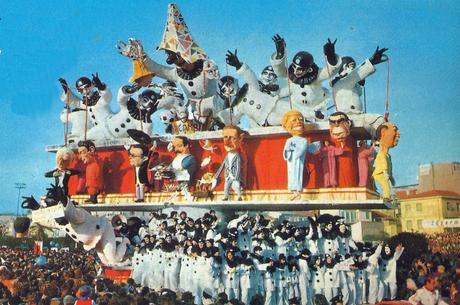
(296, 138)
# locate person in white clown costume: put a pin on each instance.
(92, 109)
(197, 76)
(132, 115)
(261, 107)
(348, 90)
(304, 88)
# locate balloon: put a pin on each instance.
(41, 260)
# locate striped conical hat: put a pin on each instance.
(177, 38)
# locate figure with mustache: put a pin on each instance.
(387, 136)
(184, 164)
(233, 136)
(294, 151)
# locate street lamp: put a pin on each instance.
(19, 186)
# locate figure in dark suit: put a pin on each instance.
(139, 158)
(61, 174)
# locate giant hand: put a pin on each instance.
(378, 56)
(329, 51)
(280, 45)
(134, 50)
(232, 59)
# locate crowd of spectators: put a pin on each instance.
(70, 276)
(447, 243)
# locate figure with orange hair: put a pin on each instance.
(294, 151)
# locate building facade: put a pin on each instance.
(427, 212)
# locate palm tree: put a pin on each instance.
(39, 232)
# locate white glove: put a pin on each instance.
(134, 50)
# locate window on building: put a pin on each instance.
(408, 208)
(353, 216)
(419, 224)
(409, 225)
(418, 207)
(450, 206)
(458, 206)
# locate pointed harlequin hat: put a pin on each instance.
(177, 37)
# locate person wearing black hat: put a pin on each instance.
(247, 278)
(360, 278)
(231, 274)
(374, 276)
(293, 277)
(388, 270)
(337, 300)
(186, 268)
(328, 243)
(172, 262)
(270, 282)
(304, 276)
(305, 78)
(93, 108)
(259, 270)
(331, 277)
(282, 239)
(282, 283)
(344, 239)
(317, 275)
(268, 81)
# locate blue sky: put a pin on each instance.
(41, 41)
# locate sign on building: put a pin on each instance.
(446, 223)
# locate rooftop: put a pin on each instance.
(434, 193)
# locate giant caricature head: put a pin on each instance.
(84, 86)
(174, 58)
(86, 151)
(293, 122)
(64, 157)
(228, 87)
(233, 137)
(339, 126)
(137, 155)
(148, 100)
(268, 76)
(348, 65)
(181, 145)
(303, 66)
(387, 135)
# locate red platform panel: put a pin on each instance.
(264, 167)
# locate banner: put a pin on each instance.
(446, 223)
(46, 214)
